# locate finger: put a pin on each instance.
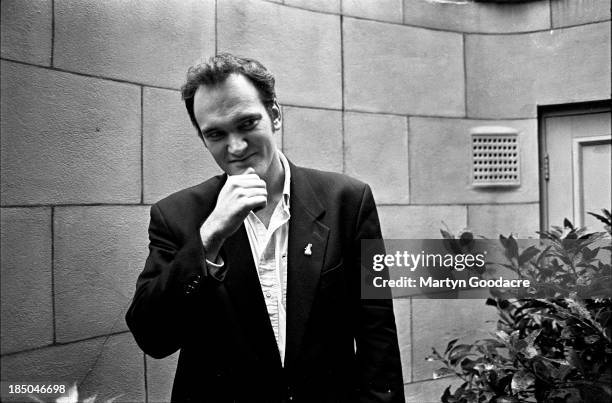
(257, 202)
(255, 192)
(250, 181)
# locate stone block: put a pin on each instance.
(420, 222)
(68, 138)
(401, 309)
(160, 377)
(574, 12)
(403, 70)
(328, 6)
(174, 155)
(110, 366)
(99, 252)
(27, 301)
(522, 220)
(302, 48)
(382, 10)
(441, 320)
(376, 151)
(508, 75)
(118, 371)
(429, 391)
(147, 42)
(313, 138)
(25, 31)
(64, 363)
(478, 16)
(440, 158)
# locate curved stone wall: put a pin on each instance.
(93, 132)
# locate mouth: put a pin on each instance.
(239, 160)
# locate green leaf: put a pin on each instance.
(511, 247)
(530, 339)
(493, 343)
(450, 345)
(466, 239)
(467, 364)
(522, 381)
(527, 254)
(446, 234)
(606, 220)
(588, 254)
(458, 352)
(452, 245)
(442, 372)
(506, 399)
(446, 395)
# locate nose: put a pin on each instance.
(236, 145)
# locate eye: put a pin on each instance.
(248, 124)
(213, 135)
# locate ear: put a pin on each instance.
(276, 115)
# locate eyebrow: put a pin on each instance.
(235, 119)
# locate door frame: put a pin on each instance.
(546, 111)
(577, 143)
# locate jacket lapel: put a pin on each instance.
(306, 251)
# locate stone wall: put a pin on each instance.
(93, 132)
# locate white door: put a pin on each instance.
(576, 166)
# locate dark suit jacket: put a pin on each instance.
(340, 348)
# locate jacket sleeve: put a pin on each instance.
(172, 276)
(377, 348)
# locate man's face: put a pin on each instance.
(236, 127)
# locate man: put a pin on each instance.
(255, 275)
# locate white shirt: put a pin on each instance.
(269, 250)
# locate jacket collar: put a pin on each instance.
(302, 190)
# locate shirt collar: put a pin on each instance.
(287, 182)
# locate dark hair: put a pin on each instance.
(217, 69)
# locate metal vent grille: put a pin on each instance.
(495, 157)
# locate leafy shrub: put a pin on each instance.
(546, 348)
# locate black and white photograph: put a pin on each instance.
(278, 201)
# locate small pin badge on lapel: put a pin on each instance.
(308, 250)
